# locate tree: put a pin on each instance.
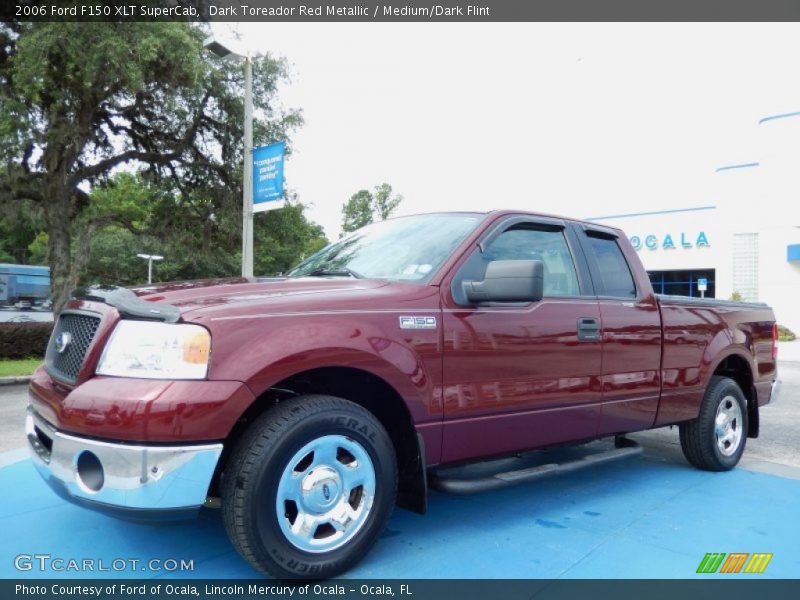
(364, 207)
(79, 101)
(384, 204)
(282, 238)
(357, 211)
(18, 228)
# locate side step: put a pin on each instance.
(623, 448)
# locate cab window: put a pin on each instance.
(532, 242)
(615, 274)
(525, 241)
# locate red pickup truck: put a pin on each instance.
(307, 406)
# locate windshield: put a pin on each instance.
(403, 249)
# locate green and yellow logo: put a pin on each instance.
(735, 562)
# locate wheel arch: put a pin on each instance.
(738, 365)
(366, 389)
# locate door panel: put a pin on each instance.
(631, 363)
(631, 325)
(517, 377)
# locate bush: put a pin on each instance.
(785, 334)
(24, 340)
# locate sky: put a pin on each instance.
(581, 120)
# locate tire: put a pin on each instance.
(309, 488)
(711, 447)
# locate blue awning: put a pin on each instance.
(793, 253)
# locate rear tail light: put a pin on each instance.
(774, 341)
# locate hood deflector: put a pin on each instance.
(128, 304)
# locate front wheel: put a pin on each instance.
(715, 440)
(309, 488)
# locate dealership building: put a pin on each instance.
(743, 237)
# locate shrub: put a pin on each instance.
(785, 334)
(23, 340)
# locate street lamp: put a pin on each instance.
(150, 258)
(247, 188)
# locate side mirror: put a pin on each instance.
(508, 281)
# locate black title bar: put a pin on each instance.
(402, 10)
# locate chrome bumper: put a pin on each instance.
(126, 480)
(775, 391)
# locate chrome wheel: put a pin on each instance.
(325, 493)
(728, 426)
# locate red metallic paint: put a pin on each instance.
(485, 381)
(149, 410)
(517, 378)
(631, 354)
(696, 340)
(631, 364)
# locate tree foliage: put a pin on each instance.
(19, 224)
(80, 101)
(357, 211)
(365, 207)
(282, 239)
(383, 202)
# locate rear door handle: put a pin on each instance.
(588, 329)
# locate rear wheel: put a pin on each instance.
(715, 440)
(309, 488)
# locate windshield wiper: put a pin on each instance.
(335, 273)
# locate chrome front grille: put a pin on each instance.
(71, 338)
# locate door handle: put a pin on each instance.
(588, 329)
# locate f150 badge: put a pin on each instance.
(417, 322)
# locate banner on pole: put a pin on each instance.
(268, 177)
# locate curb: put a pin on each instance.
(14, 380)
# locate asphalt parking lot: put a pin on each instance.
(648, 517)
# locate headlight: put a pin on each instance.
(156, 351)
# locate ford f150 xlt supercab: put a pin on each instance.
(307, 406)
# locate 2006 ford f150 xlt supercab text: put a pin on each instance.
(307, 406)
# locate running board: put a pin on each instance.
(624, 448)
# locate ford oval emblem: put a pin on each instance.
(63, 340)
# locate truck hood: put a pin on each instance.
(274, 294)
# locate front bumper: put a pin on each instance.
(152, 482)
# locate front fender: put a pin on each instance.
(263, 352)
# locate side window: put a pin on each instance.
(526, 242)
(615, 274)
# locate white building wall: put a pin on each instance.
(745, 266)
(759, 196)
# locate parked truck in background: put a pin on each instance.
(309, 405)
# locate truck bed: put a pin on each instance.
(668, 299)
(698, 335)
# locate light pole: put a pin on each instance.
(247, 185)
(150, 258)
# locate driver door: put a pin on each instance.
(520, 376)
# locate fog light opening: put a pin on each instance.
(89, 471)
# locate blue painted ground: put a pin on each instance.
(644, 518)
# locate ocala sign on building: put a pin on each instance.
(670, 242)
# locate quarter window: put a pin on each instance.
(615, 274)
